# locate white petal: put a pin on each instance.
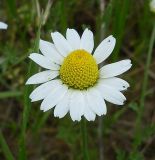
(73, 38)
(115, 69)
(116, 83)
(111, 94)
(77, 105)
(96, 102)
(42, 77)
(54, 97)
(87, 41)
(61, 43)
(104, 50)
(43, 61)
(62, 107)
(44, 90)
(49, 50)
(88, 113)
(3, 25)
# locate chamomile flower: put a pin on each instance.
(73, 81)
(3, 25)
(152, 5)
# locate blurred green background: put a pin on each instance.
(125, 133)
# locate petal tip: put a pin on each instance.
(27, 82)
(32, 100)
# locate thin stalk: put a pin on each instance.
(100, 138)
(144, 88)
(27, 103)
(84, 139)
(146, 71)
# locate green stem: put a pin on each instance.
(27, 104)
(148, 61)
(143, 93)
(84, 139)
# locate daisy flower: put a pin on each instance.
(3, 25)
(73, 81)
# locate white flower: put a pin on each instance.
(152, 5)
(3, 25)
(73, 82)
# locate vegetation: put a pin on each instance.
(125, 133)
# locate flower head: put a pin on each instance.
(3, 25)
(152, 6)
(73, 81)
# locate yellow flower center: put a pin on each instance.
(79, 70)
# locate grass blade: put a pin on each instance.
(121, 12)
(8, 94)
(5, 148)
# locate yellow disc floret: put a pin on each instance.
(79, 70)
